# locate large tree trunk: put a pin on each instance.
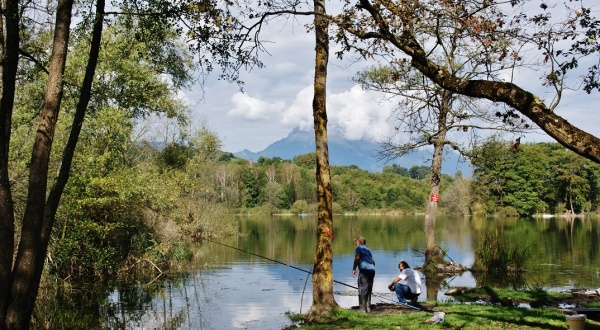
(9, 57)
(433, 254)
(322, 278)
(25, 281)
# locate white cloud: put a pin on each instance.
(360, 114)
(299, 113)
(254, 109)
(355, 113)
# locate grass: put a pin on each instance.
(458, 316)
(496, 254)
(496, 295)
(476, 308)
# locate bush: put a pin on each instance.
(299, 206)
(97, 250)
(204, 220)
(508, 211)
(478, 209)
(337, 208)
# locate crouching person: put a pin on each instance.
(409, 291)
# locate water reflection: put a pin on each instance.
(246, 292)
(237, 296)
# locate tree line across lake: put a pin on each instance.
(533, 179)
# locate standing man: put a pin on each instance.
(412, 289)
(363, 259)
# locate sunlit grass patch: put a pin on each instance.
(457, 316)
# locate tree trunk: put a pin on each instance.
(25, 281)
(67, 157)
(433, 255)
(322, 279)
(434, 285)
(10, 57)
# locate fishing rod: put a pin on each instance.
(306, 271)
(436, 244)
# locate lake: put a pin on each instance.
(231, 289)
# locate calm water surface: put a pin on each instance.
(243, 291)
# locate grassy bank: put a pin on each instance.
(457, 316)
(481, 308)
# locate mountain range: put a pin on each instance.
(343, 152)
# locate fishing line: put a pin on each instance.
(303, 289)
(436, 244)
(309, 272)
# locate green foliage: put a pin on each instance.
(337, 208)
(104, 224)
(131, 74)
(299, 206)
(114, 189)
(207, 145)
(535, 178)
(173, 156)
(495, 254)
(419, 172)
(289, 196)
(457, 197)
(167, 253)
(507, 211)
(92, 249)
(308, 160)
(252, 196)
(397, 169)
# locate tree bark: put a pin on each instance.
(322, 279)
(433, 254)
(78, 119)
(10, 58)
(25, 282)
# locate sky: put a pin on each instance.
(278, 98)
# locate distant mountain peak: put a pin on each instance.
(343, 152)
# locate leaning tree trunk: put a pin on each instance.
(25, 281)
(10, 59)
(322, 279)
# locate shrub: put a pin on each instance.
(299, 206)
(508, 211)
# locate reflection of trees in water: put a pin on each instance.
(566, 253)
(113, 307)
(508, 280)
(434, 284)
(559, 248)
(148, 306)
(442, 282)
